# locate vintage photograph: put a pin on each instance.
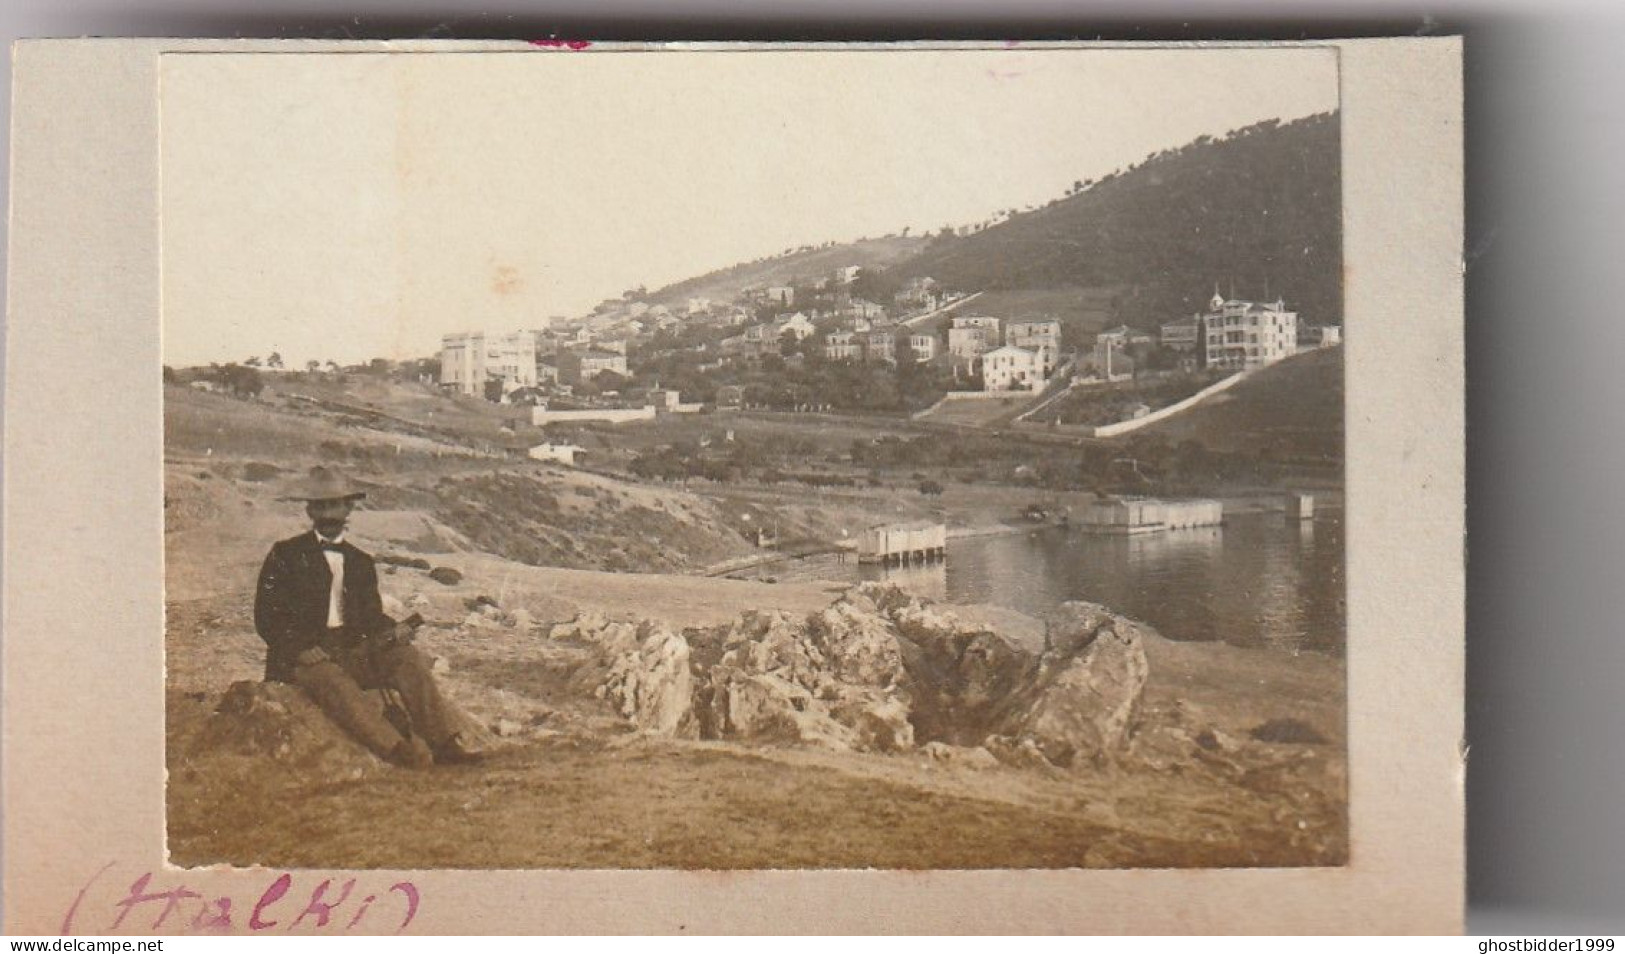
(666, 458)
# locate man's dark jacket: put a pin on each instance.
(290, 603)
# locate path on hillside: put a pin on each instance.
(911, 322)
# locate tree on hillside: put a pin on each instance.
(611, 381)
(274, 361)
(240, 380)
(312, 366)
(1170, 226)
(253, 362)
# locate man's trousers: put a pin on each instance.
(339, 686)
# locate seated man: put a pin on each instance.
(318, 609)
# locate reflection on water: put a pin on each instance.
(1261, 580)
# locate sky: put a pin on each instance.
(352, 206)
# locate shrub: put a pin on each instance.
(258, 471)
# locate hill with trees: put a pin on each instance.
(1257, 211)
(793, 266)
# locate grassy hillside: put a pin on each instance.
(725, 284)
(1258, 208)
(238, 455)
(1292, 410)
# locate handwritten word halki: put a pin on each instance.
(163, 904)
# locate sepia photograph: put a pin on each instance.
(769, 458)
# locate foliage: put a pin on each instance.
(813, 382)
(610, 381)
(1108, 404)
(240, 380)
(1258, 207)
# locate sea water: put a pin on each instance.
(1259, 580)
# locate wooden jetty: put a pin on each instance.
(903, 543)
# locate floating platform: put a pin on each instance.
(1130, 516)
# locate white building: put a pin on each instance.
(966, 343)
(972, 335)
(1123, 336)
(841, 346)
(976, 321)
(560, 453)
(880, 346)
(578, 365)
(1042, 336)
(923, 347)
(1244, 335)
(863, 308)
(1319, 336)
(469, 358)
(1011, 369)
(1182, 335)
(847, 274)
(797, 325)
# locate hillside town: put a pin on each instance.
(608, 365)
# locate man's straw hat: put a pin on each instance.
(324, 483)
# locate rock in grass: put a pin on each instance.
(976, 758)
(257, 721)
(395, 559)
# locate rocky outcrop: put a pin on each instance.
(834, 679)
(1083, 699)
(256, 720)
(651, 685)
(977, 758)
(881, 671)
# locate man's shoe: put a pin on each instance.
(412, 752)
(455, 751)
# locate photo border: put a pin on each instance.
(84, 793)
